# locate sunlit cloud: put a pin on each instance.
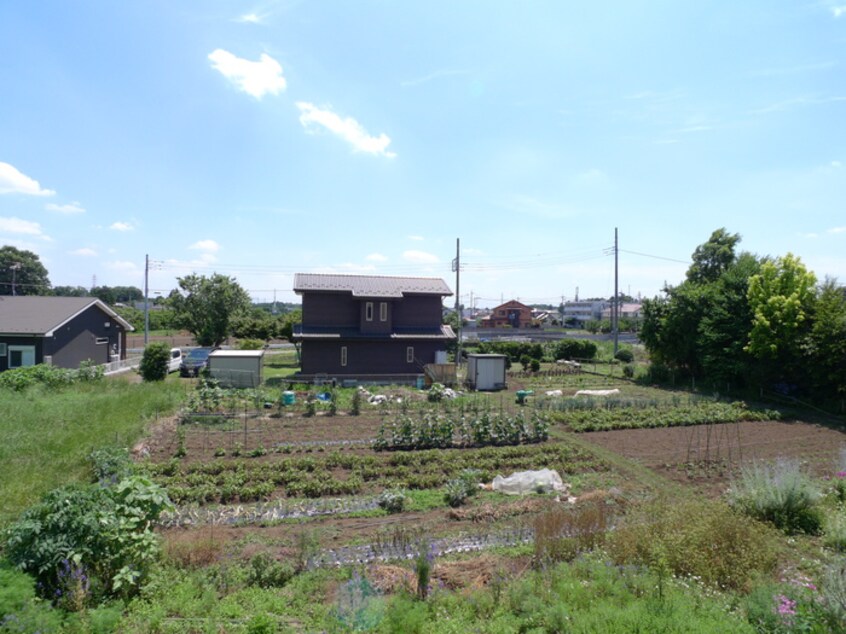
(254, 78)
(70, 208)
(347, 128)
(13, 181)
(209, 246)
(838, 11)
(250, 18)
(121, 226)
(837, 230)
(84, 252)
(420, 257)
(22, 227)
(416, 238)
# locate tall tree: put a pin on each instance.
(781, 298)
(206, 306)
(70, 291)
(21, 273)
(827, 347)
(711, 259)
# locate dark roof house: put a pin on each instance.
(368, 326)
(60, 331)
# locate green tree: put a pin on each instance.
(207, 306)
(781, 298)
(711, 259)
(21, 273)
(155, 361)
(70, 291)
(827, 345)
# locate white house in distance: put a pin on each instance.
(584, 311)
(627, 311)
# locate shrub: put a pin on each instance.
(393, 501)
(535, 365)
(155, 361)
(250, 344)
(628, 371)
(779, 493)
(835, 532)
(574, 349)
(110, 465)
(706, 539)
(834, 593)
(20, 610)
(103, 533)
(436, 393)
(457, 490)
(266, 572)
(625, 355)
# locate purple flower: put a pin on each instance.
(841, 474)
(786, 606)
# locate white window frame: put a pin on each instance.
(368, 311)
(409, 354)
(383, 311)
(22, 350)
(343, 356)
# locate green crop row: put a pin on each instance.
(700, 413)
(334, 474)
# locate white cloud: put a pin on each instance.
(420, 257)
(25, 227)
(121, 226)
(209, 246)
(14, 182)
(254, 78)
(124, 265)
(71, 208)
(376, 257)
(348, 129)
(838, 11)
(809, 236)
(836, 164)
(85, 252)
(250, 18)
(416, 238)
(837, 230)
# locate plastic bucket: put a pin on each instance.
(421, 382)
(288, 398)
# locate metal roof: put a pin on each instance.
(40, 316)
(238, 354)
(370, 285)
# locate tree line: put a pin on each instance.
(743, 321)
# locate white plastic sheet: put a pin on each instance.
(524, 482)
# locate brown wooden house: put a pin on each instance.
(60, 331)
(511, 313)
(370, 327)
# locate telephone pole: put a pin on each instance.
(615, 307)
(456, 266)
(14, 268)
(146, 298)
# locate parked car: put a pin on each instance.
(195, 361)
(175, 360)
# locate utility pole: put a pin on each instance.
(456, 266)
(615, 307)
(146, 298)
(14, 268)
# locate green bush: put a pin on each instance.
(19, 379)
(574, 349)
(98, 539)
(457, 490)
(835, 531)
(628, 371)
(704, 539)
(266, 572)
(111, 464)
(393, 501)
(778, 493)
(155, 361)
(625, 355)
(20, 610)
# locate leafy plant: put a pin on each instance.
(779, 493)
(393, 501)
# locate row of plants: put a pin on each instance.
(431, 430)
(19, 379)
(699, 413)
(335, 473)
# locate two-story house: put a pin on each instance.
(359, 326)
(511, 314)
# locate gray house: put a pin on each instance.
(368, 326)
(60, 331)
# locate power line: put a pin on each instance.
(655, 257)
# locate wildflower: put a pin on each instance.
(786, 606)
(841, 474)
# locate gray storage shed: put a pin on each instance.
(237, 368)
(486, 371)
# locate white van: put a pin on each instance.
(175, 360)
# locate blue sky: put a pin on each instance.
(263, 139)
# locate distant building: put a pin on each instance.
(359, 325)
(512, 313)
(584, 311)
(627, 311)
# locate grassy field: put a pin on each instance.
(47, 436)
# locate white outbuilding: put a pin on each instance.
(237, 368)
(486, 371)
